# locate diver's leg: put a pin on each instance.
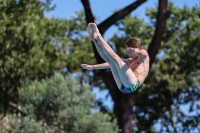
(125, 73)
(112, 66)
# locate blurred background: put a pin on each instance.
(44, 89)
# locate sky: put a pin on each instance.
(102, 9)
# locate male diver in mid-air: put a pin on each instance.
(129, 74)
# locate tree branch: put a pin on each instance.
(162, 16)
(119, 15)
(90, 18)
(88, 12)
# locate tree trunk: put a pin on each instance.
(123, 103)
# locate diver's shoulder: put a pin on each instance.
(144, 52)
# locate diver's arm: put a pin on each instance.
(97, 66)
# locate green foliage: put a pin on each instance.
(174, 79)
(59, 105)
(26, 124)
(33, 47)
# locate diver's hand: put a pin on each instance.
(87, 66)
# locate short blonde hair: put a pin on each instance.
(133, 42)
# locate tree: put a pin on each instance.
(173, 84)
(57, 105)
(34, 47)
(124, 103)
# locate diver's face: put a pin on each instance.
(132, 52)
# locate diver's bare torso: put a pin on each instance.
(140, 65)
